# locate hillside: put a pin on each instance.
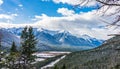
(107, 56)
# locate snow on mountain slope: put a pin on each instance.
(7, 38)
(59, 38)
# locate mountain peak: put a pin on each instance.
(59, 38)
(85, 36)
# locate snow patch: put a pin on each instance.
(53, 63)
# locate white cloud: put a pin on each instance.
(9, 18)
(20, 5)
(10, 25)
(76, 24)
(72, 2)
(65, 11)
(45, 0)
(76, 2)
(6, 16)
(1, 2)
(41, 17)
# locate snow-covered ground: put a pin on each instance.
(41, 56)
(53, 63)
(44, 55)
(60, 52)
(49, 54)
(38, 60)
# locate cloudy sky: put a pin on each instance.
(55, 15)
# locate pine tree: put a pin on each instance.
(13, 48)
(28, 45)
(55, 67)
(12, 57)
(2, 53)
(32, 43)
(63, 67)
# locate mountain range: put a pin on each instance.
(51, 40)
(7, 38)
(106, 56)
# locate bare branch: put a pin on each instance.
(109, 4)
(106, 8)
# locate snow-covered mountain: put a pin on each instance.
(59, 38)
(7, 38)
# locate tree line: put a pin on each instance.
(23, 57)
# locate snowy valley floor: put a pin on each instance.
(48, 59)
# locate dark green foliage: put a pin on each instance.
(116, 66)
(28, 45)
(28, 42)
(103, 57)
(13, 48)
(12, 57)
(55, 67)
(63, 67)
(1, 52)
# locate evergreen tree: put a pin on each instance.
(12, 57)
(55, 67)
(13, 48)
(63, 67)
(28, 45)
(2, 55)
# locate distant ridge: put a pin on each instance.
(49, 40)
(7, 38)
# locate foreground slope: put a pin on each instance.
(107, 56)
